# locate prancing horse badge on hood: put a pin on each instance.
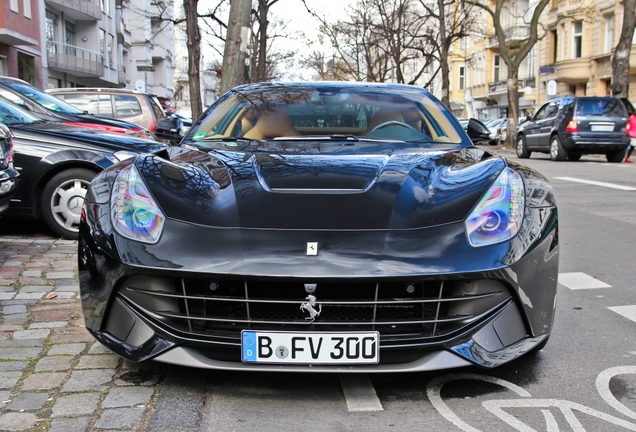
(312, 248)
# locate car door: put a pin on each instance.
(532, 127)
(546, 124)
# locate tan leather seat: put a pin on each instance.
(383, 115)
(272, 124)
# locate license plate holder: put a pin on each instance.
(304, 348)
(602, 128)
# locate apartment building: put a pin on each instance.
(576, 54)
(479, 75)
(151, 65)
(20, 41)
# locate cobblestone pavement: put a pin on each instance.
(53, 375)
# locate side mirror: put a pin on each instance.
(477, 131)
(170, 129)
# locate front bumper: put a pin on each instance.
(143, 305)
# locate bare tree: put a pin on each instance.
(620, 60)
(265, 55)
(449, 21)
(515, 51)
(401, 41)
(236, 42)
(194, 56)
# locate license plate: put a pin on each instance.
(602, 128)
(310, 348)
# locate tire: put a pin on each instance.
(557, 152)
(616, 156)
(522, 148)
(63, 198)
(574, 157)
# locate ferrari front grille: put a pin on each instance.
(401, 311)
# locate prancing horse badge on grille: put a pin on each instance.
(309, 307)
(312, 248)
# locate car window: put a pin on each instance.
(91, 103)
(541, 114)
(156, 108)
(12, 97)
(11, 114)
(307, 112)
(83, 102)
(609, 107)
(127, 106)
(41, 98)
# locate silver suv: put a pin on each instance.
(132, 106)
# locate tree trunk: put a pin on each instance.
(620, 60)
(513, 109)
(194, 56)
(238, 30)
(261, 66)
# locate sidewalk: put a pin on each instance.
(53, 375)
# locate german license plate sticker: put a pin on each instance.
(310, 348)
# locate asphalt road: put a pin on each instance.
(584, 380)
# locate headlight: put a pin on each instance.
(499, 214)
(134, 212)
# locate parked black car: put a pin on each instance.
(569, 127)
(321, 227)
(57, 161)
(8, 174)
(25, 95)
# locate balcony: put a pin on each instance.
(512, 33)
(501, 86)
(576, 71)
(71, 59)
(79, 10)
(12, 37)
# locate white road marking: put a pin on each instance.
(567, 408)
(434, 388)
(603, 388)
(578, 280)
(359, 393)
(596, 183)
(628, 312)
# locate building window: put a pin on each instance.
(577, 39)
(51, 32)
(184, 64)
(70, 38)
(462, 77)
(102, 43)
(111, 41)
(27, 8)
(496, 67)
(13, 5)
(609, 33)
(563, 39)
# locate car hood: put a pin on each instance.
(84, 137)
(320, 186)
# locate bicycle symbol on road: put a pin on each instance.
(567, 408)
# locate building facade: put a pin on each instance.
(20, 40)
(576, 54)
(479, 74)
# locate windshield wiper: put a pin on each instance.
(225, 139)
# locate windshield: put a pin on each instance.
(41, 98)
(12, 115)
(326, 111)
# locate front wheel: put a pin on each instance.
(557, 152)
(63, 198)
(616, 156)
(522, 148)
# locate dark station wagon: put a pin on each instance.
(569, 127)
